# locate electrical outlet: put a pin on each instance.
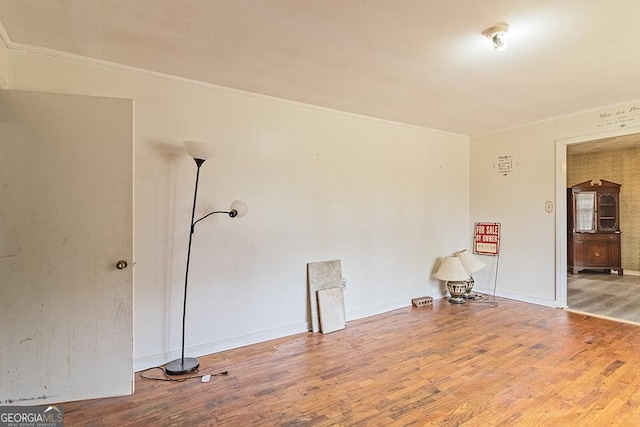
(422, 301)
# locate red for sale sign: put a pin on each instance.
(486, 239)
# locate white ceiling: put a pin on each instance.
(605, 144)
(419, 62)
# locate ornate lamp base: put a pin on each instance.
(467, 293)
(457, 291)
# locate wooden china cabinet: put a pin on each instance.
(593, 226)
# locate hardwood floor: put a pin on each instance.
(443, 365)
(607, 295)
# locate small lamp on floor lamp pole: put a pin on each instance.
(200, 152)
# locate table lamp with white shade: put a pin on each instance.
(452, 272)
(472, 264)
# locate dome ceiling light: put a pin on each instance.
(498, 36)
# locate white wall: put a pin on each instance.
(528, 257)
(387, 199)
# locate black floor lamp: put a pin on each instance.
(200, 153)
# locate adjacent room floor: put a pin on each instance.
(603, 294)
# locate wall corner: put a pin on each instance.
(5, 45)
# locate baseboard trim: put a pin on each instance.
(161, 359)
(385, 308)
(517, 297)
(372, 311)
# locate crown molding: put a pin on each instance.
(5, 36)
(198, 83)
(191, 82)
(7, 42)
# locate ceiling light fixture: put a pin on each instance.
(497, 34)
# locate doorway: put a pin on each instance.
(594, 292)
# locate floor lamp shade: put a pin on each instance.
(199, 150)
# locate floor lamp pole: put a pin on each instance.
(190, 364)
(200, 153)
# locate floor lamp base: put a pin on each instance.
(182, 366)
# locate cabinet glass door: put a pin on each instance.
(607, 212)
(585, 211)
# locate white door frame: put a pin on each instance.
(561, 204)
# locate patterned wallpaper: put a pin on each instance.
(621, 167)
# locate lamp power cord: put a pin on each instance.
(166, 377)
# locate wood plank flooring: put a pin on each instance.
(606, 295)
(444, 365)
